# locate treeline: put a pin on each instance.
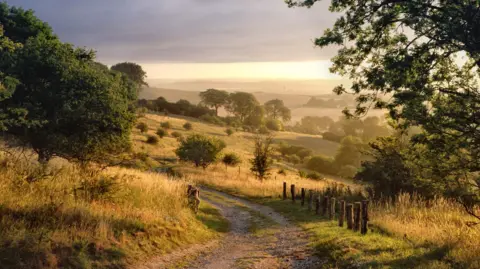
(56, 98)
(245, 110)
(315, 102)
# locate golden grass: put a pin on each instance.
(59, 216)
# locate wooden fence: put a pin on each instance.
(354, 214)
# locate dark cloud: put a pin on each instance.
(188, 30)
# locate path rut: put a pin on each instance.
(259, 238)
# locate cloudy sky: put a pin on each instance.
(183, 38)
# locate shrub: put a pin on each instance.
(263, 130)
(166, 125)
(177, 135)
(315, 176)
(143, 127)
(188, 126)
(321, 164)
(274, 125)
(231, 159)
(304, 153)
(332, 137)
(347, 171)
(152, 139)
(212, 119)
(302, 174)
(262, 161)
(229, 131)
(200, 150)
(294, 159)
(161, 132)
(282, 172)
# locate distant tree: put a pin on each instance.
(229, 131)
(133, 71)
(188, 126)
(276, 109)
(274, 125)
(166, 125)
(256, 118)
(200, 150)
(214, 98)
(161, 133)
(242, 105)
(350, 152)
(262, 156)
(142, 126)
(231, 159)
(304, 153)
(153, 140)
(315, 124)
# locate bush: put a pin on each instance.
(188, 126)
(302, 174)
(347, 171)
(152, 139)
(177, 135)
(315, 176)
(321, 164)
(212, 119)
(293, 159)
(282, 172)
(161, 132)
(231, 159)
(332, 137)
(274, 125)
(143, 127)
(263, 130)
(200, 150)
(166, 125)
(229, 132)
(304, 153)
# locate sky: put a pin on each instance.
(196, 39)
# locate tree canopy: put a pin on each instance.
(242, 105)
(214, 98)
(133, 71)
(424, 56)
(200, 150)
(276, 109)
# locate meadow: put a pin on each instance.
(406, 233)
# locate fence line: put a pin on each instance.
(354, 214)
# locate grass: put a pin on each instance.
(59, 216)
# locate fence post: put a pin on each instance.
(349, 216)
(292, 190)
(341, 215)
(303, 196)
(325, 205)
(364, 216)
(310, 200)
(357, 212)
(284, 190)
(317, 205)
(332, 208)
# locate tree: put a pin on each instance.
(276, 109)
(256, 118)
(321, 164)
(262, 156)
(72, 108)
(349, 152)
(133, 71)
(242, 105)
(214, 98)
(200, 150)
(231, 159)
(408, 50)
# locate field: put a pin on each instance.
(57, 216)
(407, 234)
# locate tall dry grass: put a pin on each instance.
(60, 216)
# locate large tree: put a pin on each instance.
(242, 105)
(133, 71)
(56, 98)
(276, 109)
(214, 98)
(409, 51)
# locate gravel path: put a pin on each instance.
(259, 238)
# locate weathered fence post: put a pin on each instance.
(317, 205)
(310, 200)
(357, 212)
(303, 196)
(364, 216)
(332, 208)
(341, 215)
(349, 216)
(325, 205)
(292, 190)
(284, 190)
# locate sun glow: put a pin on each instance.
(247, 70)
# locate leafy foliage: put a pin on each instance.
(276, 109)
(166, 125)
(274, 125)
(214, 98)
(262, 156)
(142, 127)
(133, 71)
(229, 131)
(242, 105)
(188, 126)
(161, 132)
(152, 139)
(231, 159)
(200, 150)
